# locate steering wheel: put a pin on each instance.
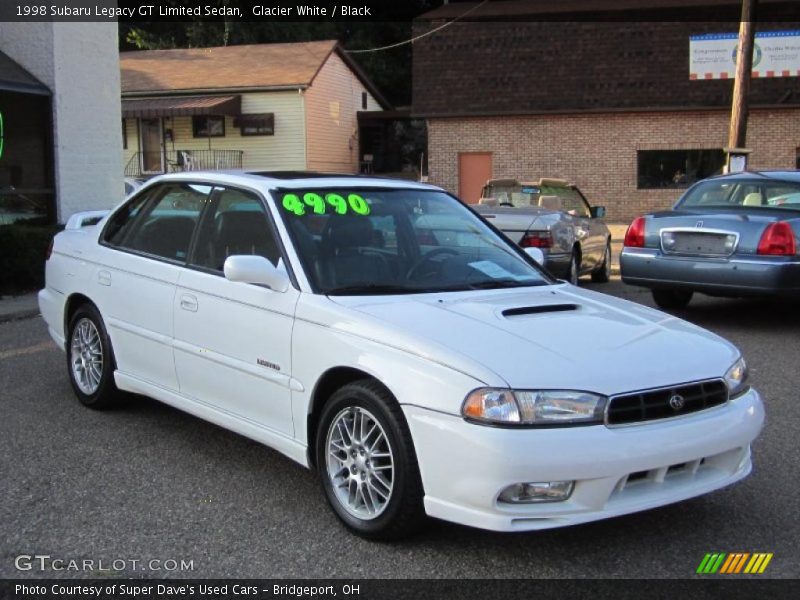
(413, 271)
(505, 204)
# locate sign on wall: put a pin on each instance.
(713, 56)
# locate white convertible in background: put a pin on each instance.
(382, 333)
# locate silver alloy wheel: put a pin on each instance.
(86, 354)
(360, 464)
(607, 262)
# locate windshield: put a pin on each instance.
(722, 193)
(378, 241)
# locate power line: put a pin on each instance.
(419, 37)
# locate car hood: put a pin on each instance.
(554, 337)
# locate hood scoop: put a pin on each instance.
(536, 310)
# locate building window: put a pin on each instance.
(124, 136)
(208, 126)
(676, 168)
(797, 158)
(364, 100)
(256, 124)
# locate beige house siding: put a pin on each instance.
(132, 137)
(597, 152)
(332, 102)
(283, 151)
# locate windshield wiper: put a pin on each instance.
(371, 288)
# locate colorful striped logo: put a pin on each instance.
(734, 563)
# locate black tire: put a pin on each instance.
(106, 393)
(672, 299)
(603, 273)
(403, 513)
(574, 269)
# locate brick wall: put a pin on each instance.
(597, 152)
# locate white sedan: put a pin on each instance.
(383, 334)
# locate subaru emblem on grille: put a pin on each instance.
(698, 224)
(676, 402)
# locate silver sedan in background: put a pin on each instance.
(730, 235)
(554, 216)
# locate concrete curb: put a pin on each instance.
(15, 308)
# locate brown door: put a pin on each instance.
(474, 169)
(150, 132)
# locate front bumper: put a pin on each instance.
(735, 276)
(465, 466)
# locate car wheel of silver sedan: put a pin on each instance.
(367, 463)
(90, 359)
(672, 299)
(603, 273)
(574, 272)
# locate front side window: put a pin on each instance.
(362, 241)
(163, 224)
(235, 224)
(574, 204)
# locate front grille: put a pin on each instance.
(664, 403)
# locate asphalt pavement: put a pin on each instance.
(145, 482)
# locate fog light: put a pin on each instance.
(545, 491)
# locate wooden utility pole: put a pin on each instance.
(737, 135)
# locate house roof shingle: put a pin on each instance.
(258, 66)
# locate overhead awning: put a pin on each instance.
(14, 78)
(181, 106)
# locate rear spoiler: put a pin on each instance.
(86, 219)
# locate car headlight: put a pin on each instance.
(736, 379)
(533, 407)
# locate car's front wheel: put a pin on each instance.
(90, 359)
(367, 463)
(574, 271)
(603, 273)
(672, 299)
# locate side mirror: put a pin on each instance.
(536, 254)
(255, 269)
(598, 212)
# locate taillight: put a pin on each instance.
(777, 240)
(634, 237)
(537, 239)
(49, 250)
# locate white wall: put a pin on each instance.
(332, 104)
(79, 62)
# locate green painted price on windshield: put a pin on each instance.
(313, 203)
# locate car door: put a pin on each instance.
(233, 340)
(145, 244)
(580, 217)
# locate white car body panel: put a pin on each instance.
(250, 359)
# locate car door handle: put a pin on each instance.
(189, 302)
(104, 277)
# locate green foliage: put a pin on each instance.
(22, 251)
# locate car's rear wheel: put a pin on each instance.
(672, 299)
(574, 271)
(90, 359)
(367, 463)
(603, 273)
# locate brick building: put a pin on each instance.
(598, 93)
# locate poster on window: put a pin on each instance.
(713, 56)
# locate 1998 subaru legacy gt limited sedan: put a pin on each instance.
(383, 334)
